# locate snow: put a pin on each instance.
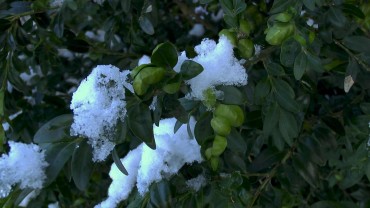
(98, 104)
(33, 194)
(144, 60)
(220, 67)
(98, 35)
(146, 166)
(14, 170)
(54, 205)
(197, 30)
(197, 182)
(65, 53)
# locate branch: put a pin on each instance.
(363, 64)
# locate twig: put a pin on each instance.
(363, 64)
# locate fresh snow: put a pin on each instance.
(98, 104)
(146, 166)
(14, 170)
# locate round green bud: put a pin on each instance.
(208, 153)
(151, 75)
(231, 35)
(245, 27)
(221, 126)
(140, 88)
(283, 17)
(279, 32)
(246, 48)
(232, 113)
(219, 145)
(214, 163)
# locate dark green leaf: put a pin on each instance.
(300, 65)
(353, 10)
(275, 69)
(262, 89)
(236, 143)
(203, 130)
(265, 159)
(55, 130)
(284, 95)
(357, 43)
(17, 7)
(336, 17)
(232, 95)
(59, 25)
(205, 1)
(271, 119)
(307, 170)
(126, 4)
(190, 69)
(288, 126)
(365, 107)
(146, 25)
(160, 195)
(165, 55)
(253, 119)
(118, 162)
(232, 21)
(334, 124)
(233, 7)
(314, 63)
(77, 45)
(310, 4)
(281, 6)
(277, 139)
(82, 165)
(141, 124)
(4, 24)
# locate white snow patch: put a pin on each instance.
(54, 205)
(144, 60)
(14, 169)
(146, 166)
(197, 182)
(98, 104)
(197, 30)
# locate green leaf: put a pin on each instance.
(265, 159)
(271, 119)
(141, 124)
(353, 10)
(203, 130)
(336, 17)
(233, 7)
(160, 195)
(284, 95)
(126, 5)
(253, 119)
(314, 63)
(334, 124)
(300, 65)
(357, 43)
(310, 4)
(289, 50)
(165, 55)
(146, 25)
(78, 45)
(55, 130)
(56, 156)
(288, 126)
(275, 69)
(2, 93)
(190, 69)
(306, 169)
(82, 165)
(236, 143)
(232, 21)
(262, 89)
(4, 24)
(118, 162)
(232, 95)
(59, 25)
(281, 6)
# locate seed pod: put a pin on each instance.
(219, 145)
(246, 48)
(208, 153)
(151, 75)
(140, 88)
(231, 35)
(245, 27)
(214, 163)
(221, 126)
(283, 17)
(232, 113)
(279, 32)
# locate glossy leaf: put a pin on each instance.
(203, 130)
(165, 55)
(288, 126)
(357, 43)
(55, 130)
(160, 195)
(190, 69)
(265, 159)
(118, 162)
(146, 25)
(300, 65)
(271, 119)
(275, 69)
(284, 95)
(232, 95)
(336, 17)
(82, 165)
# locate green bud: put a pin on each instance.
(172, 88)
(229, 35)
(214, 163)
(219, 145)
(137, 69)
(140, 88)
(232, 113)
(221, 126)
(246, 48)
(208, 153)
(283, 17)
(209, 98)
(245, 27)
(151, 75)
(278, 33)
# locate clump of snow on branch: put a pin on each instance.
(196, 183)
(146, 166)
(220, 67)
(98, 104)
(14, 170)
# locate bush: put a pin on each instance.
(190, 103)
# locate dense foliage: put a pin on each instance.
(295, 136)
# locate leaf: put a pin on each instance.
(271, 119)
(300, 65)
(310, 4)
(334, 124)
(190, 69)
(281, 6)
(233, 7)
(353, 10)
(253, 119)
(59, 25)
(275, 69)
(146, 25)
(306, 169)
(262, 89)
(165, 55)
(265, 159)
(336, 17)
(288, 126)
(203, 130)
(126, 5)
(284, 95)
(236, 143)
(4, 24)
(357, 43)
(54, 130)
(232, 21)
(2, 93)
(82, 165)
(160, 195)
(118, 162)
(141, 124)
(232, 95)
(56, 156)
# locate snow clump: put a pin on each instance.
(220, 67)
(98, 104)
(146, 166)
(14, 170)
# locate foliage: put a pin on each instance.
(303, 137)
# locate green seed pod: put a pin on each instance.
(137, 69)
(221, 126)
(246, 48)
(219, 145)
(232, 113)
(151, 75)
(245, 27)
(209, 98)
(140, 88)
(208, 153)
(283, 17)
(279, 32)
(231, 35)
(214, 163)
